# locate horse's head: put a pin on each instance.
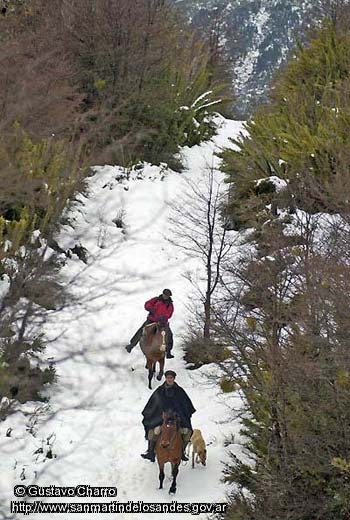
(157, 327)
(154, 335)
(171, 417)
(162, 323)
(170, 426)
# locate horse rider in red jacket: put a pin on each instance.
(160, 308)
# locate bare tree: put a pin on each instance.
(200, 230)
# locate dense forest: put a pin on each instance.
(92, 82)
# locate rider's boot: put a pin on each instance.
(168, 353)
(184, 456)
(150, 455)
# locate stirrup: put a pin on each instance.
(128, 348)
(169, 355)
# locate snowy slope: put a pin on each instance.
(92, 426)
(256, 36)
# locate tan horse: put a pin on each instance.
(169, 447)
(153, 346)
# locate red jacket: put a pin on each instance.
(161, 307)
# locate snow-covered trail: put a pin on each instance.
(95, 430)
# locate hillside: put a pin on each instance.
(256, 37)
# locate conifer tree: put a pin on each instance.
(37, 180)
(284, 307)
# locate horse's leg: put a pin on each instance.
(150, 376)
(161, 369)
(161, 475)
(150, 367)
(175, 471)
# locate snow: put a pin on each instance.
(278, 183)
(245, 67)
(4, 285)
(90, 432)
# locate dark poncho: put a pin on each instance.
(164, 398)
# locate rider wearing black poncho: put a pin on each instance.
(168, 396)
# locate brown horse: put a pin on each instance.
(153, 346)
(169, 447)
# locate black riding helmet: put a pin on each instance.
(167, 292)
(170, 373)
